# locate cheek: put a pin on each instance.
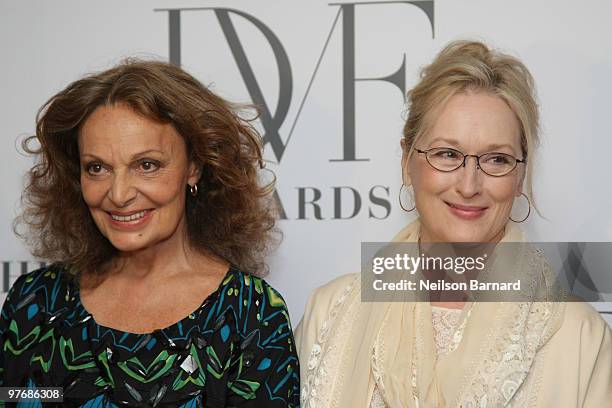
(168, 190)
(427, 180)
(93, 192)
(169, 199)
(503, 191)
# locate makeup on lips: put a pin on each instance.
(466, 212)
(130, 220)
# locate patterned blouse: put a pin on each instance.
(235, 350)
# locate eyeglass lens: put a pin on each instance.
(494, 164)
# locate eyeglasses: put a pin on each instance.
(447, 159)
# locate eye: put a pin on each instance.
(500, 159)
(149, 166)
(95, 169)
(445, 154)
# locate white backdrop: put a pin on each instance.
(47, 44)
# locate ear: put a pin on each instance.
(195, 172)
(405, 168)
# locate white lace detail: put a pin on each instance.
(507, 364)
(505, 367)
(458, 334)
(317, 370)
(445, 322)
(377, 400)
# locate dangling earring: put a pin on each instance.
(400, 200)
(193, 190)
(528, 210)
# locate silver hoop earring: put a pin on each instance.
(193, 190)
(400, 200)
(528, 210)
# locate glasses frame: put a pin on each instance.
(465, 156)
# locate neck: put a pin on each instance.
(430, 247)
(448, 305)
(166, 258)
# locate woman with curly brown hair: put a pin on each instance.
(146, 199)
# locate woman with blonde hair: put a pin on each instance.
(468, 148)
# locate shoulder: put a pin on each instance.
(251, 287)
(581, 316)
(583, 330)
(251, 338)
(583, 347)
(324, 296)
(319, 306)
(253, 301)
(45, 281)
(35, 296)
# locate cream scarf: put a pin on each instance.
(363, 345)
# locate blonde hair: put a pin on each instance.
(470, 65)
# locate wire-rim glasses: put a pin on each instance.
(447, 159)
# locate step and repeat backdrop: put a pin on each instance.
(330, 79)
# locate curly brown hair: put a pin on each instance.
(232, 217)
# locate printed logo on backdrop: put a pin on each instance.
(344, 24)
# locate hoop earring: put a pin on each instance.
(193, 190)
(400, 200)
(528, 211)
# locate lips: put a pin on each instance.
(130, 216)
(466, 212)
(128, 221)
(466, 207)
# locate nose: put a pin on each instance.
(470, 182)
(122, 191)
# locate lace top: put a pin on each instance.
(235, 350)
(444, 322)
(447, 335)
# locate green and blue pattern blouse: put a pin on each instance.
(235, 350)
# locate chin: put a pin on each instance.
(129, 245)
(468, 238)
(473, 236)
(460, 232)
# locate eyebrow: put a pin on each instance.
(489, 148)
(133, 158)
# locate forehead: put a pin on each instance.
(118, 130)
(475, 121)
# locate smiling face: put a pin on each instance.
(466, 205)
(134, 174)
